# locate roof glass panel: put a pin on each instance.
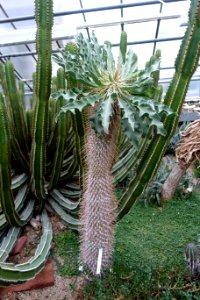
(169, 51)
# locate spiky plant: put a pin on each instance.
(118, 97)
(37, 156)
(111, 103)
(151, 155)
(121, 97)
(192, 258)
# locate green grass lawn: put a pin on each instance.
(148, 261)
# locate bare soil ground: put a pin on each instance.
(62, 290)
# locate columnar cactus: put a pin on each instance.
(185, 66)
(62, 128)
(14, 148)
(6, 195)
(44, 20)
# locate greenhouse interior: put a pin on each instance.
(99, 149)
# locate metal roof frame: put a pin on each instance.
(87, 26)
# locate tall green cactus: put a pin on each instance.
(62, 128)
(185, 66)
(16, 115)
(44, 17)
(6, 196)
(37, 131)
(18, 110)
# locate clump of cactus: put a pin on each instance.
(72, 152)
(37, 156)
(192, 258)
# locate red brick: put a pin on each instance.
(19, 246)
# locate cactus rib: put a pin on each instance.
(12, 274)
(17, 107)
(70, 221)
(61, 133)
(6, 196)
(44, 17)
(8, 242)
(63, 201)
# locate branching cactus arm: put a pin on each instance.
(17, 107)
(61, 132)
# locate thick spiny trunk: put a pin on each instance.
(171, 184)
(98, 213)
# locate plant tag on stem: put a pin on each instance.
(99, 260)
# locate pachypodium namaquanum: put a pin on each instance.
(118, 99)
(115, 99)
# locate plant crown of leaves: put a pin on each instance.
(94, 79)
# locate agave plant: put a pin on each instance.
(116, 100)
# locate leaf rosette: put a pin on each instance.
(95, 79)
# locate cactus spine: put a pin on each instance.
(98, 212)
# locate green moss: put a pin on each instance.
(66, 252)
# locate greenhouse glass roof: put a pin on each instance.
(150, 25)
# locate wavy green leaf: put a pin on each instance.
(106, 112)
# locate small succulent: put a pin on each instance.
(192, 258)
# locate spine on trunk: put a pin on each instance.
(98, 211)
